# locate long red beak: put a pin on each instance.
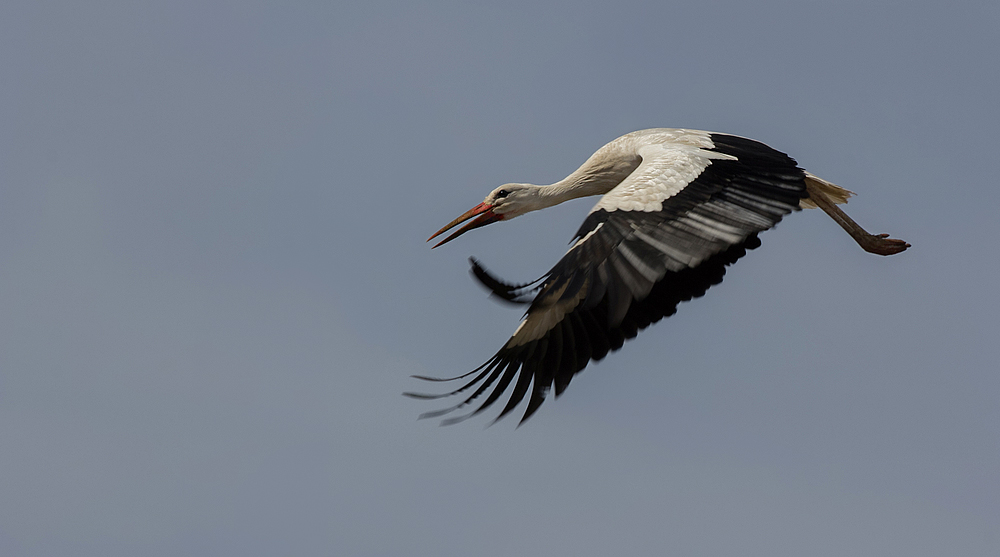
(486, 216)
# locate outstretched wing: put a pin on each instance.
(664, 235)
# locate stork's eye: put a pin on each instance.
(502, 193)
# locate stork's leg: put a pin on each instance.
(880, 244)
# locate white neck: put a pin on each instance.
(584, 182)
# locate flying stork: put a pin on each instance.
(678, 206)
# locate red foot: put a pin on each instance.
(882, 244)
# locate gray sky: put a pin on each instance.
(214, 283)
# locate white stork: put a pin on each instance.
(678, 206)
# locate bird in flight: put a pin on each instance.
(677, 207)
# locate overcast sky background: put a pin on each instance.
(214, 283)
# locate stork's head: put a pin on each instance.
(504, 203)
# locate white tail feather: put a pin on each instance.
(836, 193)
